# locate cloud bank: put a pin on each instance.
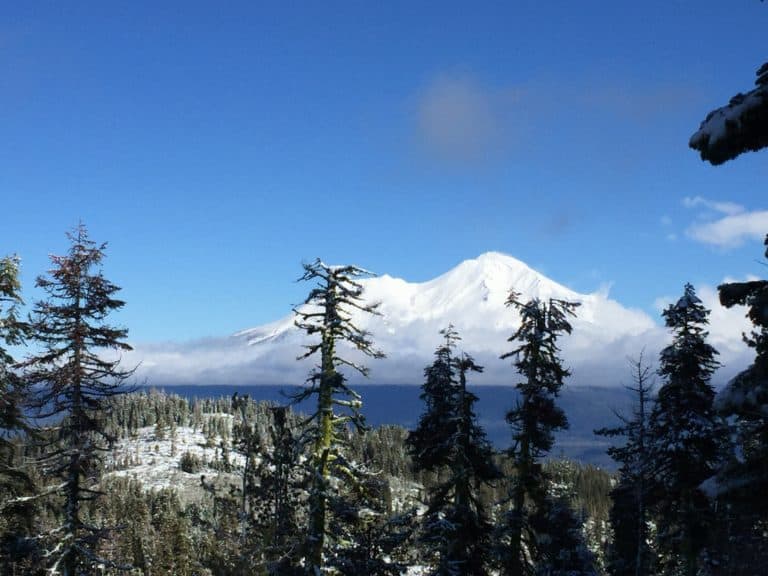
(732, 226)
(471, 296)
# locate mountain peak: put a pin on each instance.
(498, 273)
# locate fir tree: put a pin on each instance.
(629, 553)
(74, 382)
(684, 437)
(327, 313)
(448, 438)
(534, 420)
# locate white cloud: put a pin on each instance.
(729, 208)
(725, 224)
(605, 334)
(731, 231)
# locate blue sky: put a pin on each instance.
(216, 146)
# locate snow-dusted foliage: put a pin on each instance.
(560, 547)
(456, 526)
(743, 482)
(11, 391)
(738, 127)
(684, 437)
(746, 396)
(327, 314)
(534, 420)
(15, 484)
(73, 383)
(11, 387)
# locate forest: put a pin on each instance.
(258, 488)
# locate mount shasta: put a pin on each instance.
(472, 297)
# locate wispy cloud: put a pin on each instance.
(725, 224)
(457, 119)
(729, 208)
(463, 121)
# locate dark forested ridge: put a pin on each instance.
(96, 478)
(588, 407)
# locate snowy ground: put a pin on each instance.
(156, 462)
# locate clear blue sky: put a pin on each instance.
(217, 145)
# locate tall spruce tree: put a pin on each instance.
(327, 313)
(684, 437)
(629, 553)
(73, 382)
(534, 420)
(448, 438)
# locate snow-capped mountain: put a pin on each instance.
(472, 297)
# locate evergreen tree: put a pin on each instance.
(561, 545)
(449, 438)
(684, 437)
(430, 444)
(73, 383)
(273, 484)
(534, 420)
(374, 541)
(12, 332)
(327, 313)
(15, 513)
(744, 402)
(738, 127)
(628, 552)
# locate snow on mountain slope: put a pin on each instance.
(472, 297)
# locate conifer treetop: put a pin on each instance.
(328, 308)
(689, 355)
(11, 329)
(540, 325)
(72, 329)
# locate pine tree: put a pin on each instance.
(534, 420)
(74, 383)
(327, 313)
(629, 553)
(15, 512)
(684, 436)
(448, 438)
